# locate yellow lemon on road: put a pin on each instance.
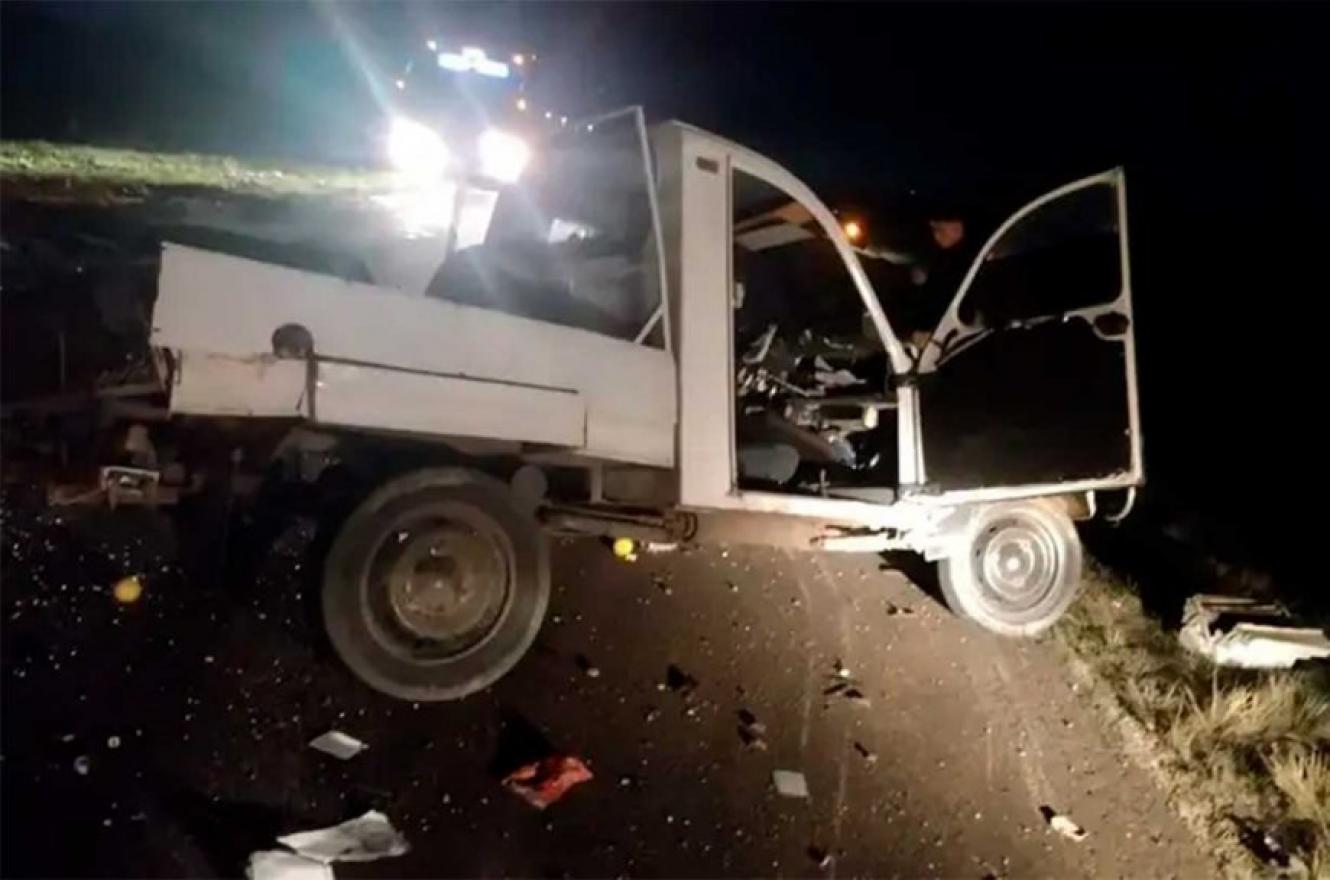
(625, 549)
(128, 590)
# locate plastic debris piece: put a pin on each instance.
(820, 856)
(363, 839)
(276, 864)
(790, 783)
(113, 742)
(337, 744)
(660, 546)
(82, 765)
(127, 590)
(543, 782)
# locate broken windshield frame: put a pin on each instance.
(580, 230)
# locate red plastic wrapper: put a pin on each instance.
(543, 782)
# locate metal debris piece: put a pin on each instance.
(340, 745)
(276, 864)
(363, 839)
(790, 783)
(113, 742)
(1246, 633)
(865, 752)
(543, 782)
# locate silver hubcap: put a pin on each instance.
(1016, 561)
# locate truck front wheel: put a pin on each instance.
(1016, 568)
(436, 585)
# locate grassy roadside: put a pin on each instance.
(1243, 754)
(28, 165)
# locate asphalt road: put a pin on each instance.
(192, 709)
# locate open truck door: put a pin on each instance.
(1028, 384)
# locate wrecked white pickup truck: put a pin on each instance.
(648, 328)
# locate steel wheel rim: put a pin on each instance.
(438, 583)
(1016, 562)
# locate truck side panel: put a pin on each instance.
(212, 304)
(370, 397)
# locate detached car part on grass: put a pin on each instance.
(581, 363)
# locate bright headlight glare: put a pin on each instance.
(502, 156)
(416, 150)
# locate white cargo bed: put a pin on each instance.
(394, 362)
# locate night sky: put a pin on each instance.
(1215, 110)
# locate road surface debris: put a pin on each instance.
(1062, 824)
(678, 680)
(340, 745)
(543, 782)
(367, 838)
(751, 731)
(276, 864)
(790, 783)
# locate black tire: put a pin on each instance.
(427, 624)
(1039, 543)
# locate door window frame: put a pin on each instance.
(936, 355)
(952, 335)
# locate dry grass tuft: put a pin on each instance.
(1302, 775)
(1253, 746)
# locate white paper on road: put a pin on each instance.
(364, 839)
(790, 783)
(276, 864)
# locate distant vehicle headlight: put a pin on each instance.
(502, 156)
(416, 149)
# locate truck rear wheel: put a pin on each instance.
(1016, 570)
(435, 586)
